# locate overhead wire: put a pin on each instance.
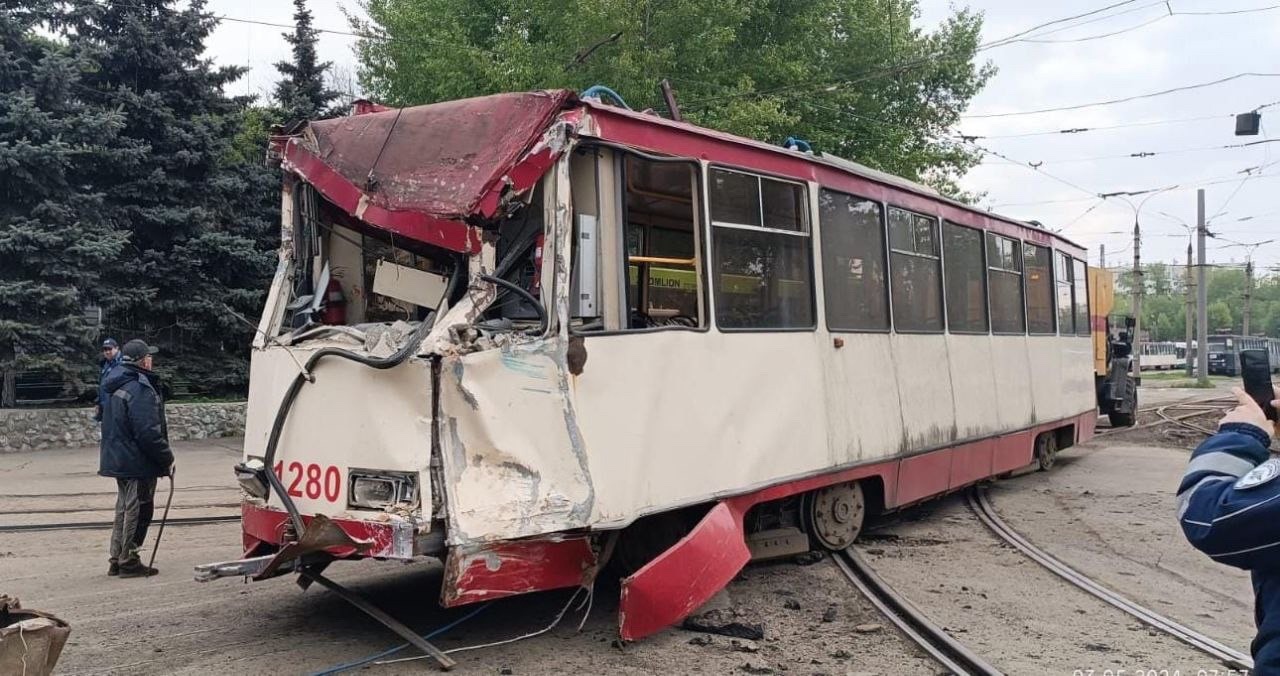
(1082, 130)
(1125, 99)
(1144, 154)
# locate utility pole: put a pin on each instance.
(1248, 293)
(1202, 296)
(1137, 300)
(1102, 256)
(1189, 286)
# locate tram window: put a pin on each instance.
(1036, 274)
(1066, 290)
(915, 271)
(1004, 274)
(1081, 298)
(763, 257)
(853, 266)
(662, 247)
(966, 285)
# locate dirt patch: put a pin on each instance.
(1008, 609)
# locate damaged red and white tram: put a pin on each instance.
(529, 334)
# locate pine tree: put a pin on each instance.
(301, 92)
(55, 236)
(197, 239)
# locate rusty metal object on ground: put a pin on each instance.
(446, 663)
(30, 641)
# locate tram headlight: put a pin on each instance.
(252, 476)
(373, 489)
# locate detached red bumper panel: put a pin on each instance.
(685, 576)
(392, 539)
(484, 572)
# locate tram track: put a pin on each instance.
(104, 525)
(1166, 414)
(1230, 657)
(935, 641)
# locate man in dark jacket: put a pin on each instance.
(135, 451)
(110, 359)
(1229, 508)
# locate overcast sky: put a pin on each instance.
(1166, 53)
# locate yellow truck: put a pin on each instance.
(1112, 352)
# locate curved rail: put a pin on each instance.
(1203, 406)
(103, 525)
(949, 652)
(1229, 656)
(1181, 420)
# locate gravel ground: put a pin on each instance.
(813, 621)
(1106, 510)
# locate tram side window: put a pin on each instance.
(853, 265)
(966, 284)
(1066, 291)
(1081, 298)
(662, 246)
(762, 253)
(915, 271)
(1004, 274)
(1039, 282)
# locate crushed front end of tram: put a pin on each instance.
(383, 371)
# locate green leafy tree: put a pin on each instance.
(55, 236)
(853, 77)
(197, 240)
(301, 92)
(1220, 317)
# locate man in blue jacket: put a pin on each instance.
(1229, 508)
(110, 359)
(135, 451)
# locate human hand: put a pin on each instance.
(1248, 412)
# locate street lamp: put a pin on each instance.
(1187, 286)
(1250, 247)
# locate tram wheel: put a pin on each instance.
(1046, 451)
(835, 514)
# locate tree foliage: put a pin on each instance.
(55, 237)
(1165, 301)
(855, 78)
(301, 92)
(197, 240)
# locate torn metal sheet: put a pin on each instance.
(390, 536)
(427, 171)
(474, 573)
(667, 588)
(513, 455)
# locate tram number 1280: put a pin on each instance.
(311, 480)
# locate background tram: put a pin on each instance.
(1163, 355)
(1224, 352)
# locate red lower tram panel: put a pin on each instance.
(690, 572)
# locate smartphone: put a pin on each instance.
(1255, 369)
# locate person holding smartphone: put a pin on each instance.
(1229, 508)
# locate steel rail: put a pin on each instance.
(949, 652)
(1181, 420)
(986, 513)
(104, 525)
(1165, 419)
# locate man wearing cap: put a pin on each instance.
(135, 452)
(110, 359)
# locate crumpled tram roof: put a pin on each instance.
(441, 160)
